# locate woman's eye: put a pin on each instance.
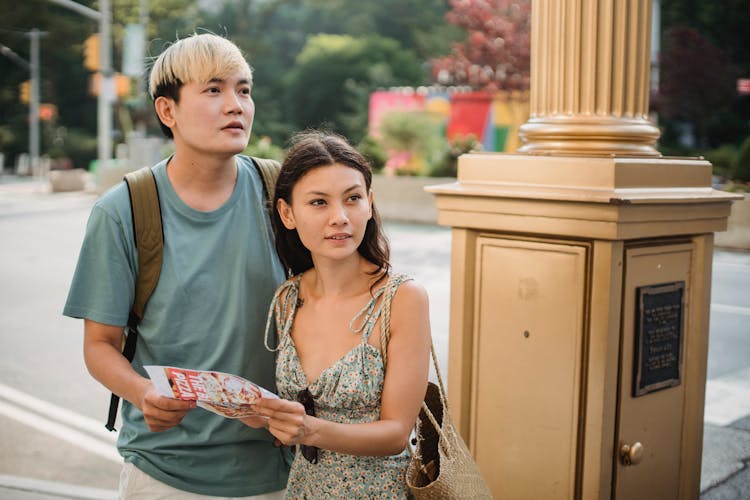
(212, 90)
(317, 203)
(355, 197)
(245, 91)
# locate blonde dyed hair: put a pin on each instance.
(196, 59)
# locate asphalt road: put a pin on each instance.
(52, 413)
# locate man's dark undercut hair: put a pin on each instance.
(170, 90)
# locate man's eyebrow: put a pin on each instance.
(243, 81)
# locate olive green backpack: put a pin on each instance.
(149, 240)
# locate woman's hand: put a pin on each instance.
(287, 420)
(255, 421)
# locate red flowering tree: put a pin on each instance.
(495, 54)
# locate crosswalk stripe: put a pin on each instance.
(61, 431)
(745, 311)
(727, 398)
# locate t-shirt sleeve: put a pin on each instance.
(103, 284)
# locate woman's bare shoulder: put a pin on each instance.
(410, 294)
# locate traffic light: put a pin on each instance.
(120, 85)
(91, 53)
(47, 111)
(25, 91)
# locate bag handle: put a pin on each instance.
(385, 335)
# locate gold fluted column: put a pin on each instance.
(564, 381)
(590, 78)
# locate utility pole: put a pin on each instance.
(33, 68)
(143, 20)
(107, 90)
(34, 139)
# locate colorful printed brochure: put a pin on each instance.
(228, 395)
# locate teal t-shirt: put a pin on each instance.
(208, 312)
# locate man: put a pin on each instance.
(208, 310)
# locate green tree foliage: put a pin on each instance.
(274, 32)
(64, 81)
(391, 40)
(741, 167)
(415, 24)
(331, 69)
(722, 159)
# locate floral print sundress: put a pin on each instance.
(348, 391)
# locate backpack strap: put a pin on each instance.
(269, 171)
(149, 235)
(149, 241)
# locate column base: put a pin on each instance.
(589, 135)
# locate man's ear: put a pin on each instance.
(165, 110)
(285, 213)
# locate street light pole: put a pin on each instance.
(34, 34)
(106, 91)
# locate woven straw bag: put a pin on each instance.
(442, 466)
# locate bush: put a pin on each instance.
(79, 145)
(417, 136)
(722, 159)
(448, 167)
(264, 148)
(374, 152)
(741, 167)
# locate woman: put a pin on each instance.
(348, 416)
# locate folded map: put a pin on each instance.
(228, 395)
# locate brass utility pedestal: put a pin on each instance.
(581, 276)
(580, 292)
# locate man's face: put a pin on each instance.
(212, 118)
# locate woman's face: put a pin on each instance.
(330, 209)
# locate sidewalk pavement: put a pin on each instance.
(726, 449)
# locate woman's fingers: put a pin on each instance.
(280, 405)
(255, 421)
(286, 419)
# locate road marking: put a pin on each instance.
(60, 431)
(727, 398)
(745, 311)
(55, 489)
(741, 265)
(57, 413)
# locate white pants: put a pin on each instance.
(137, 485)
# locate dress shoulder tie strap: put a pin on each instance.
(282, 310)
(365, 319)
